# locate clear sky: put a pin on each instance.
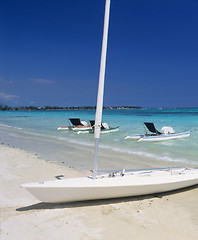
(50, 52)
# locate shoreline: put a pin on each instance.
(171, 216)
(79, 156)
(56, 108)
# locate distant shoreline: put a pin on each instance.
(47, 108)
(32, 108)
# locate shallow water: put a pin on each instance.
(43, 124)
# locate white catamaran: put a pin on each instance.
(116, 184)
(77, 125)
(166, 133)
(104, 129)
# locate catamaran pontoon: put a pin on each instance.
(77, 125)
(105, 128)
(166, 133)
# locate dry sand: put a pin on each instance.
(172, 216)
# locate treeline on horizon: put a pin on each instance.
(34, 108)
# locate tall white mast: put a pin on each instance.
(99, 107)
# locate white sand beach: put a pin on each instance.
(165, 216)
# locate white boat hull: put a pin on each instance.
(156, 137)
(164, 137)
(103, 131)
(135, 136)
(79, 128)
(133, 183)
(82, 128)
(110, 130)
(65, 128)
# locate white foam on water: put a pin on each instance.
(149, 155)
(44, 125)
(8, 126)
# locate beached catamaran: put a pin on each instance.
(114, 184)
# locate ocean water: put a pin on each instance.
(45, 123)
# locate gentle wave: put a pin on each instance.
(44, 124)
(148, 155)
(136, 153)
(4, 125)
(102, 146)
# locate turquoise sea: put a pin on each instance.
(44, 124)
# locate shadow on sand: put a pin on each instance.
(43, 206)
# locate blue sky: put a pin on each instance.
(50, 52)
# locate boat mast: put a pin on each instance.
(99, 107)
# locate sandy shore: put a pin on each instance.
(163, 216)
